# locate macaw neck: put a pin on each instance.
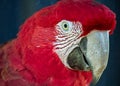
(47, 69)
(42, 66)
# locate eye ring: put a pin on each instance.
(65, 26)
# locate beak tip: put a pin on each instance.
(94, 82)
(95, 79)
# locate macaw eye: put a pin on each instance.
(65, 26)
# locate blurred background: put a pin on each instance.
(14, 12)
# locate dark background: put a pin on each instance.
(14, 12)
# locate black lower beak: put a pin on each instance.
(77, 59)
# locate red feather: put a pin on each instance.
(91, 14)
(29, 59)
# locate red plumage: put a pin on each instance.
(29, 59)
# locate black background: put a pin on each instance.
(14, 12)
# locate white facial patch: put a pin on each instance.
(67, 39)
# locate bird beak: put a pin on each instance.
(92, 54)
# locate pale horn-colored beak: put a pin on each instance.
(97, 53)
(91, 54)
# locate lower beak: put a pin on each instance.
(92, 54)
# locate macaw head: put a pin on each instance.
(78, 30)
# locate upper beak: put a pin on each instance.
(92, 54)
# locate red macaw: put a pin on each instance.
(66, 44)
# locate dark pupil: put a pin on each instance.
(65, 25)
